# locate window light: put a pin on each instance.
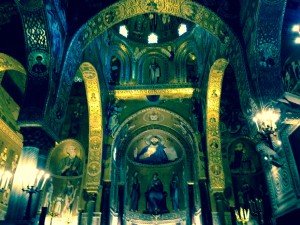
(123, 31)
(296, 28)
(152, 38)
(182, 29)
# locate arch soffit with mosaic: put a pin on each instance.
(121, 50)
(185, 47)
(36, 38)
(213, 139)
(270, 18)
(92, 87)
(9, 63)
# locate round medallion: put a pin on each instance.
(153, 5)
(285, 179)
(268, 55)
(113, 14)
(38, 63)
(216, 169)
(88, 75)
(93, 168)
(277, 182)
(188, 9)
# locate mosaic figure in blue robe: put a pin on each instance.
(154, 153)
(156, 197)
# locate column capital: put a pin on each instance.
(90, 195)
(219, 196)
(37, 137)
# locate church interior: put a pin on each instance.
(135, 112)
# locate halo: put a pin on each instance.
(161, 139)
(70, 142)
(67, 148)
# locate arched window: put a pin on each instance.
(191, 68)
(115, 68)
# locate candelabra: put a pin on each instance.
(266, 124)
(34, 186)
(243, 215)
(4, 180)
(52, 214)
(256, 209)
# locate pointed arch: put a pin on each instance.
(125, 9)
(121, 52)
(185, 9)
(181, 58)
(176, 128)
(18, 75)
(92, 88)
(127, 132)
(213, 139)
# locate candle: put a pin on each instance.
(38, 177)
(8, 176)
(256, 125)
(35, 181)
(255, 120)
(2, 177)
(45, 179)
(3, 182)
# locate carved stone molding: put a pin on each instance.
(166, 93)
(138, 218)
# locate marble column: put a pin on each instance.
(205, 202)
(18, 200)
(105, 206)
(220, 207)
(90, 207)
(91, 214)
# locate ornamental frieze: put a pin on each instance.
(141, 94)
